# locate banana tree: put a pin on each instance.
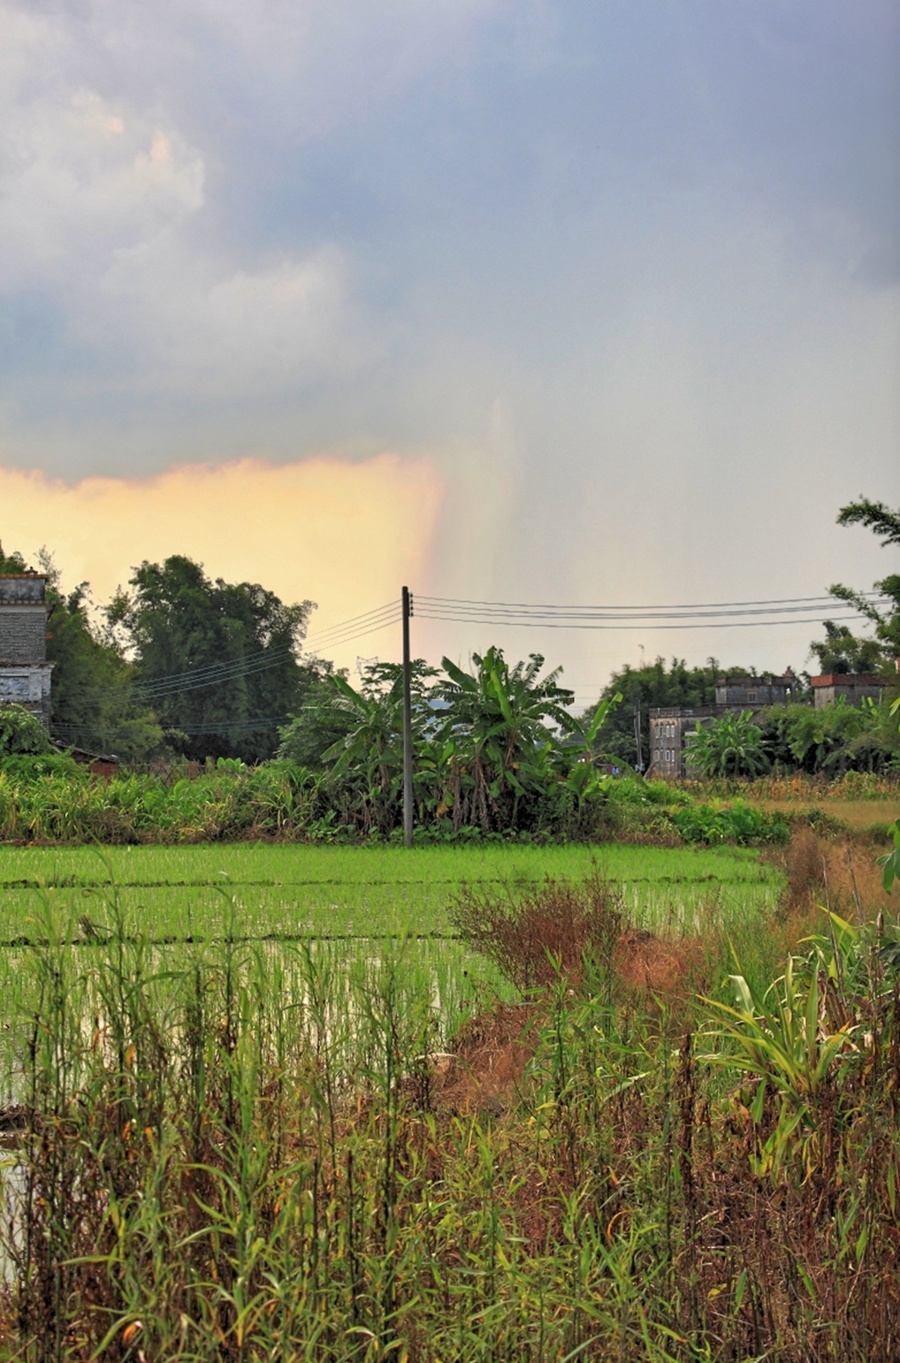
(583, 779)
(496, 736)
(368, 759)
(730, 746)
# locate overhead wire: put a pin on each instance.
(706, 615)
(214, 674)
(696, 605)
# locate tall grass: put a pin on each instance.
(247, 1154)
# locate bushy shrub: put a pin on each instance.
(533, 935)
(738, 823)
(21, 732)
(34, 766)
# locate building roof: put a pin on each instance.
(847, 679)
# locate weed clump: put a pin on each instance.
(536, 935)
(839, 873)
(575, 932)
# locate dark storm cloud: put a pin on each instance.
(609, 267)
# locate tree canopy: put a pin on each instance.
(219, 662)
(881, 652)
(93, 704)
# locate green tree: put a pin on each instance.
(319, 721)
(218, 661)
(11, 563)
(367, 758)
(832, 739)
(885, 523)
(93, 704)
(842, 652)
(496, 736)
(21, 732)
(730, 746)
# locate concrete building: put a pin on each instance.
(671, 725)
(852, 687)
(24, 669)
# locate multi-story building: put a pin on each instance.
(24, 669)
(852, 687)
(671, 725)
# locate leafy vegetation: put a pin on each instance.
(840, 652)
(730, 746)
(231, 1152)
(218, 662)
(55, 801)
(653, 684)
(93, 703)
(21, 732)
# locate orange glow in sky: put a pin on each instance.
(346, 535)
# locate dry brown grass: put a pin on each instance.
(857, 815)
(840, 874)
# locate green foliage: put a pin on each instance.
(485, 756)
(257, 1151)
(11, 563)
(841, 651)
(651, 685)
(732, 823)
(730, 746)
(31, 767)
(891, 862)
(94, 703)
(780, 1039)
(319, 722)
(176, 621)
(809, 1040)
(885, 523)
(835, 738)
(496, 743)
(21, 732)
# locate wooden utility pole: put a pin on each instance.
(407, 725)
(637, 734)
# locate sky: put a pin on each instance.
(581, 302)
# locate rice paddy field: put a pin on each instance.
(346, 908)
(343, 1103)
(271, 891)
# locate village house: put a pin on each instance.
(24, 669)
(671, 726)
(852, 687)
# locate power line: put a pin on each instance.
(643, 623)
(714, 615)
(214, 674)
(462, 610)
(345, 632)
(802, 601)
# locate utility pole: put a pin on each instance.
(637, 734)
(407, 604)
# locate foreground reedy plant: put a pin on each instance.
(245, 1154)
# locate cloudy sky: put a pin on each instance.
(587, 302)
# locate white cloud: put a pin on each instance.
(86, 178)
(101, 208)
(198, 324)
